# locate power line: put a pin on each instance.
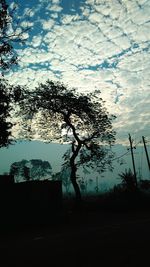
(124, 154)
(121, 155)
(137, 143)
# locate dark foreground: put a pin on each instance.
(90, 238)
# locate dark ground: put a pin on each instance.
(89, 237)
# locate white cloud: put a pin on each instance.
(142, 34)
(54, 8)
(67, 19)
(29, 12)
(55, 1)
(122, 42)
(26, 24)
(36, 41)
(106, 47)
(47, 24)
(95, 17)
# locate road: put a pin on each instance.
(92, 240)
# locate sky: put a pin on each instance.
(88, 45)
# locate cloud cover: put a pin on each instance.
(95, 44)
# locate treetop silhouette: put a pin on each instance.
(11, 32)
(57, 113)
(9, 95)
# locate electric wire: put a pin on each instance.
(121, 156)
(124, 154)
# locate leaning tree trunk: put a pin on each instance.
(73, 175)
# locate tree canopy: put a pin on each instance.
(8, 97)
(5, 108)
(11, 31)
(34, 169)
(54, 112)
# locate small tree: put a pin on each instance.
(34, 169)
(64, 115)
(128, 180)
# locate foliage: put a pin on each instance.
(8, 97)
(34, 169)
(11, 31)
(65, 115)
(128, 180)
(5, 108)
(144, 184)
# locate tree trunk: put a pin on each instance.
(73, 176)
(75, 152)
(76, 189)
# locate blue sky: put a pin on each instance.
(91, 44)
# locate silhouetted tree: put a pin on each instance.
(5, 108)
(128, 180)
(34, 169)
(64, 115)
(11, 31)
(8, 97)
(26, 173)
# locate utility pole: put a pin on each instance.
(131, 148)
(146, 152)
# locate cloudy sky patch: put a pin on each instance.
(91, 45)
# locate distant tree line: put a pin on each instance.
(34, 169)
